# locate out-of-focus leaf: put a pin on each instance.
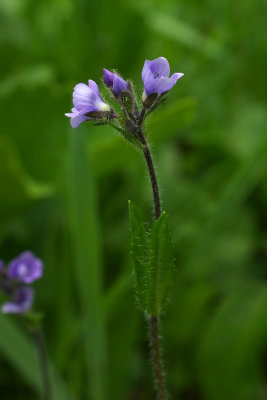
(168, 119)
(20, 351)
(29, 78)
(174, 28)
(232, 345)
(17, 188)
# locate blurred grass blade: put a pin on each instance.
(19, 188)
(161, 265)
(20, 351)
(175, 29)
(233, 345)
(87, 262)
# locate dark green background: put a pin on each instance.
(64, 193)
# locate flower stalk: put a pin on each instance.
(38, 337)
(154, 321)
(152, 252)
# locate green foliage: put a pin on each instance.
(161, 264)
(64, 195)
(241, 339)
(20, 351)
(153, 261)
(139, 251)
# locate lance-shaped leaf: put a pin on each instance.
(139, 251)
(161, 264)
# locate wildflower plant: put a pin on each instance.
(16, 281)
(152, 252)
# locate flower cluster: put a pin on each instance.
(15, 279)
(89, 105)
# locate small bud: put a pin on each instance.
(115, 83)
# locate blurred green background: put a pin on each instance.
(64, 196)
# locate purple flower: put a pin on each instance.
(86, 100)
(115, 83)
(156, 78)
(25, 268)
(22, 301)
(2, 265)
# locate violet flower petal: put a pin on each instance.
(108, 77)
(160, 66)
(155, 75)
(147, 74)
(93, 85)
(22, 301)
(26, 268)
(88, 96)
(119, 85)
(83, 96)
(77, 117)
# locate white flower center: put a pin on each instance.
(22, 270)
(103, 106)
(144, 96)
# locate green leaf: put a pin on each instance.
(161, 264)
(139, 251)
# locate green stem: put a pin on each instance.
(158, 368)
(154, 321)
(39, 340)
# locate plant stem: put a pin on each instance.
(152, 174)
(153, 180)
(154, 321)
(156, 358)
(41, 349)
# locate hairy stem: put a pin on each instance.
(154, 321)
(41, 349)
(153, 180)
(156, 358)
(152, 174)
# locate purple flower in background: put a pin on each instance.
(25, 268)
(22, 300)
(156, 78)
(115, 83)
(2, 265)
(86, 100)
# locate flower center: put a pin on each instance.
(156, 75)
(22, 270)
